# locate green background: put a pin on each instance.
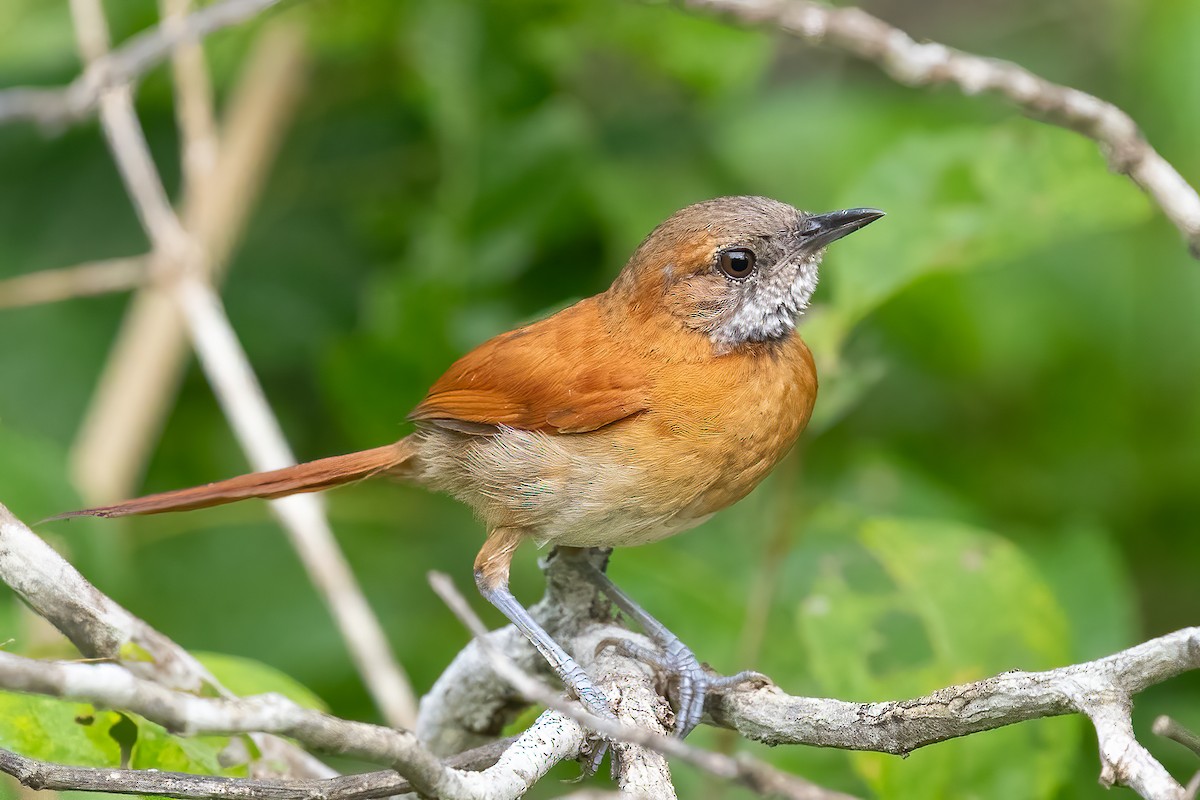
(1004, 469)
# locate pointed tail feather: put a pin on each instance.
(312, 476)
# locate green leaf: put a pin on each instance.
(970, 197)
(155, 748)
(956, 200)
(901, 607)
(1075, 562)
(244, 676)
(65, 732)
(56, 730)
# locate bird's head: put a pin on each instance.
(737, 269)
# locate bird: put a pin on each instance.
(628, 417)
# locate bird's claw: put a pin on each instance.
(595, 702)
(692, 680)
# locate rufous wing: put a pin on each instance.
(560, 375)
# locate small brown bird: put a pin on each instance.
(626, 418)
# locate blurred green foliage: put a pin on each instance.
(1005, 467)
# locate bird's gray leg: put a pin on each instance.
(675, 659)
(491, 576)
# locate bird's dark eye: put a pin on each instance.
(737, 262)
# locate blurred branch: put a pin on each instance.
(930, 64)
(193, 104)
(186, 265)
(83, 280)
(302, 515)
(123, 66)
(150, 352)
(1166, 727)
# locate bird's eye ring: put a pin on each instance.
(736, 262)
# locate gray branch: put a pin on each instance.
(474, 698)
(42, 775)
(471, 691)
(95, 624)
(1101, 690)
(125, 65)
(101, 628)
(552, 738)
(931, 64)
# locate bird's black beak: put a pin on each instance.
(821, 229)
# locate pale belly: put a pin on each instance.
(590, 490)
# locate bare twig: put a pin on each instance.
(771, 716)
(929, 64)
(81, 280)
(115, 687)
(522, 764)
(42, 775)
(1171, 729)
(96, 625)
(1099, 689)
(237, 388)
(100, 628)
(124, 66)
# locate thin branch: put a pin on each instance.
(95, 624)
(194, 107)
(931, 64)
(470, 702)
(43, 775)
(100, 628)
(123, 66)
(771, 716)
(1171, 729)
(1099, 689)
(549, 740)
(237, 388)
(82, 280)
(114, 687)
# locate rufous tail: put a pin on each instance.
(312, 476)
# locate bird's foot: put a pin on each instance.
(596, 703)
(692, 681)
